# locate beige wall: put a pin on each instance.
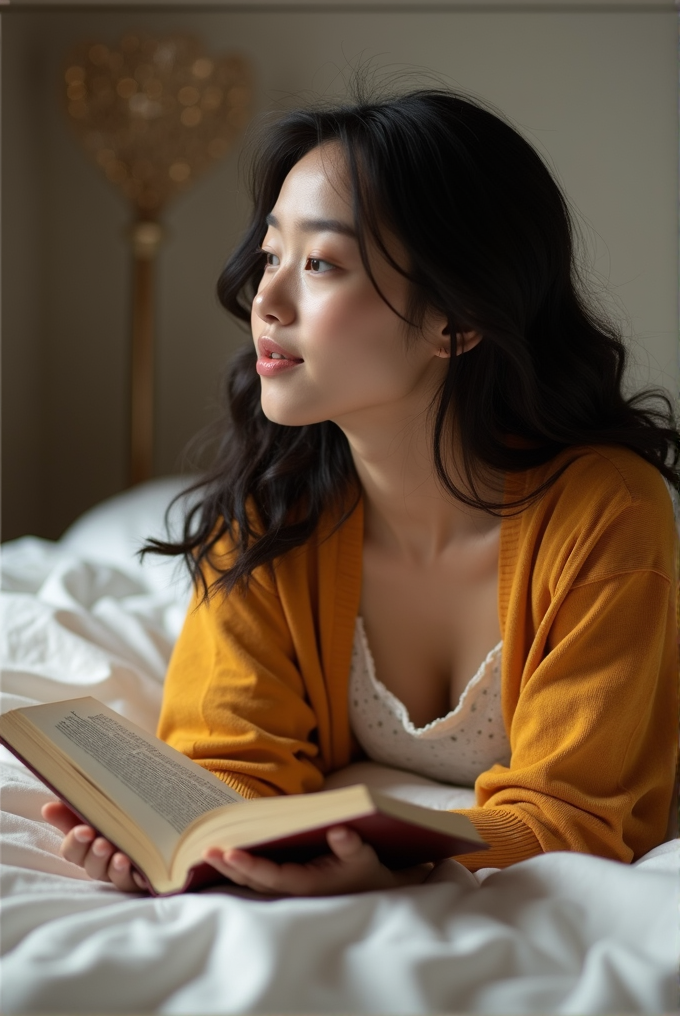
(596, 92)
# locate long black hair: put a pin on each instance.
(490, 245)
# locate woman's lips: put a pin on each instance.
(274, 359)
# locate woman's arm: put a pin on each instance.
(234, 698)
(236, 702)
(594, 734)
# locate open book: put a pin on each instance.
(163, 810)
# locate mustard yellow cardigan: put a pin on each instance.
(257, 687)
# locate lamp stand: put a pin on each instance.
(146, 236)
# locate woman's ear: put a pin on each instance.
(465, 341)
(442, 338)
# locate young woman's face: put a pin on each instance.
(329, 348)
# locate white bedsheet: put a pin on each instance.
(561, 933)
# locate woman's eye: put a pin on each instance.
(317, 266)
(271, 260)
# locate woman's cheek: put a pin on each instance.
(324, 320)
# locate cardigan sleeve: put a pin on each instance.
(234, 699)
(594, 733)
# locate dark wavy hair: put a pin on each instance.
(490, 244)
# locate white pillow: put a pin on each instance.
(112, 532)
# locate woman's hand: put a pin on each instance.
(351, 867)
(97, 856)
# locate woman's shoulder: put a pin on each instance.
(610, 477)
(608, 507)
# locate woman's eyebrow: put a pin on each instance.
(316, 226)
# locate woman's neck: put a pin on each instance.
(406, 509)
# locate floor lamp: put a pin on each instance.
(154, 114)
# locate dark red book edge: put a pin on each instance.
(398, 843)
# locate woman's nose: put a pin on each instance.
(274, 303)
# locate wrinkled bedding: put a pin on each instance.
(560, 933)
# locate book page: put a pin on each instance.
(159, 788)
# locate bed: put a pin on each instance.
(560, 933)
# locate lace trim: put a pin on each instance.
(400, 710)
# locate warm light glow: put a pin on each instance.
(152, 114)
(188, 95)
(212, 97)
(126, 87)
(142, 105)
(74, 74)
(155, 113)
(191, 116)
(179, 172)
(76, 90)
(202, 68)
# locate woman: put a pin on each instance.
(429, 454)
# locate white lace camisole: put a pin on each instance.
(453, 749)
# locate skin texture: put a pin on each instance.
(317, 301)
(425, 557)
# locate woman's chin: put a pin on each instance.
(289, 416)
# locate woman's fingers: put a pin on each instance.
(80, 845)
(96, 855)
(259, 873)
(246, 870)
(123, 875)
(222, 861)
(97, 859)
(352, 867)
(77, 843)
(60, 815)
(349, 846)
